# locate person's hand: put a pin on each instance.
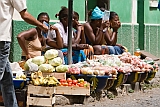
(43, 48)
(28, 56)
(44, 28)
(105, 24)
(116, 26)
(53, 27)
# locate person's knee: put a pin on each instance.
(111, 50)
(97, 50)
(118, 50)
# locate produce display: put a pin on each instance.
(112, 64)
(70, 82)
(50, 62)
(38, 79)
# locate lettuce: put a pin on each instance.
(62, 68)
(39, 60)
(46, 68)
(50, 54)
(56, 61)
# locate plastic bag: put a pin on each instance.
(32, 67)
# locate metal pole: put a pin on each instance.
(70, 13)
(86, 10)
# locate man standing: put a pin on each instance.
(6, 14)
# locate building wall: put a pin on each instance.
(132, 34)
(151, 29)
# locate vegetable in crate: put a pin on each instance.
(26, 67)
(39, 60)
(62, 68)
(50, 54)
(74, 70)
(56, 61)
(30, 66)
(46, 68)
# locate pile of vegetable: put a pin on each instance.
(112, 64)
(50, 62)
(70, 82)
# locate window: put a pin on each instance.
(153, 3)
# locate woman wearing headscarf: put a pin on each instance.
(94, 31)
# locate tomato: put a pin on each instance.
(81, 85)
(62, 80)
(73, 85)
(65, 84)
(69, 80)
(78, 84)
(74, 82)
(69, 84)
(85, 82)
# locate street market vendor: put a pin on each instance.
(102, 35)
(33, 42)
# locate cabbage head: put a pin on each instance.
(50, 54)
(46, 68)
(62, 68)
(39, 60)
(26, 67)
(56, 61)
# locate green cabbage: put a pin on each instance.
(39, 60)
(26, 67)
(30, 66)
(52, 53)
(56, 61)
(62, 68)
(46, 68)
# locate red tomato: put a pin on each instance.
(85, 82)
(81, 85)
(69, 80)
(74, 82)
(62, 80)
(65, 84)
(78, 84)
(69, 84)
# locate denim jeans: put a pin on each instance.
(116, 50)
(6, 79)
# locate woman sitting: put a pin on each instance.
(102, 35)
(33, 42)
(110, 35)
(94, 31)
(63, 29)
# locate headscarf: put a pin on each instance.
(97, 13)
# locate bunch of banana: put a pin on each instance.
(38, 79)
(23, 77)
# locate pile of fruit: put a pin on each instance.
(38, 79)
(70, 82)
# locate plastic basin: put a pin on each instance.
(19, 83)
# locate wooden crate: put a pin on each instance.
(56, 75)
(40, 96)
(72, 90)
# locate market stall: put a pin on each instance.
(43, 77)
